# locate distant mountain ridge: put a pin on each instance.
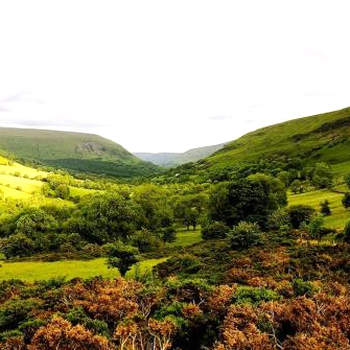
(168, 159)
(74, 151)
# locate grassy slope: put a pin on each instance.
(71, 150)
(340, 216)
(323, 137)
(24, 183)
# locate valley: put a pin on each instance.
(237, 250)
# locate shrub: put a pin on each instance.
(299, 214)
(145, 241)
(347, 232)
(215, 230)
(315, 227)
(303, 287)
(169, 234)
(279, 219)
(325, 208)
(245, 235)
(346, 200)
(17, 245)
(251, 295)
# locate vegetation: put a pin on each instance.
(76, 151)
(224, 254)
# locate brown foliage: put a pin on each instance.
(61, 335)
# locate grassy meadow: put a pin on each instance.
(339, 215)
(31, 271)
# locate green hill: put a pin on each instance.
(323, 137)
(168, 160)
(75, 151)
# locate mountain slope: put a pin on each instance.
(323, 137)
(173, 159)
(75, 151)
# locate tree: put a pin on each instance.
(244, 235)
(325, 208)
(347, 232)
(347, 180)
(346, 200)
(297, 186)
(315, 227)
(191, 217)
(322, 176)
(300, 214)
(103, 218)
(215, 230)
(121, 256)
(17, 245)
(252, 199)
(34, 221)
(169, 234)
(155, 210)
(145, 241)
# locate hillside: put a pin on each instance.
(172, 159)
(76, 151)
(323, 137)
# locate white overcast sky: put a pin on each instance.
(171, 75)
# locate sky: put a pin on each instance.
(167, 76)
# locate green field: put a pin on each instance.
(185, 238)
(36, 270)
(339, 214)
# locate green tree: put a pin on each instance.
(102, 218)
(145, 241)
(346, 200)
(347, 232)
(252, 199)
(300, 214)
(244, 235)
(347, 180)
(297, 186)
(17, 245)
(322, 176)
(121, 256)
(325, 208)
(215, 230)
(315, 227)
(169, 234)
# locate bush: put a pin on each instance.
(347, 232)
(303, 288)
(315, 227)
(245, 235)
(346, 200)
(169, 234)
(325, 208)
(251, 295)
(18, 245)
(279, 219)
(299, 214)
(145, 241)
(215, 230)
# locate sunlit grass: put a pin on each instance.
(339, 214)
(38, 270)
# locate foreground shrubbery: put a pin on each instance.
(272, 298)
